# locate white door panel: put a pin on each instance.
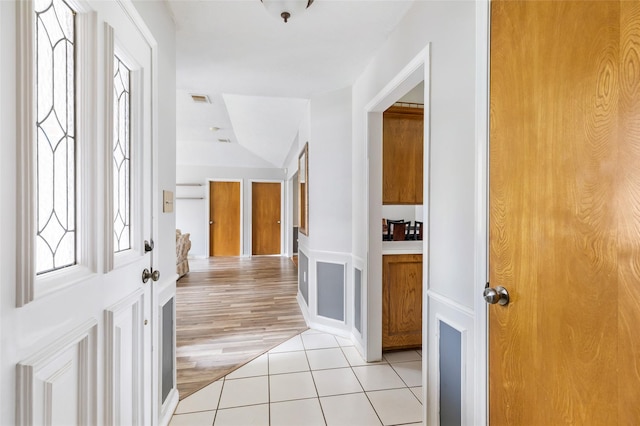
(56, 386)
(124, 361)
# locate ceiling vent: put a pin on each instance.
(224, 140)
(200, 99)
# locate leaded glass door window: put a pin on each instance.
(121, 156)
(55, 136)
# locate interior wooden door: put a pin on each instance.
(265, 214)
(565, 213)
(401, 301)
(224, 219)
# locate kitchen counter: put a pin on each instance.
(402, 247)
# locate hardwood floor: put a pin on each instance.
(230, 310)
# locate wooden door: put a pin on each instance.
(224, 219)
(565, 213)
(401, 301)
(265, 218)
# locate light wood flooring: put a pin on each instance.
(229, 310)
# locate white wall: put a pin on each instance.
(450, 27)
(217, 154)
(452, 178)
(330, 172)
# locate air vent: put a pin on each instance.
(200, 99)
(224, 140)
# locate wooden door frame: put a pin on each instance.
(283, 225)
(208, 217)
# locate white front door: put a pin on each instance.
(77, 331)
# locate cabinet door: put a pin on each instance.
(402, 155)
(401, 301)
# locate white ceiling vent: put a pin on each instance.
(200, 99)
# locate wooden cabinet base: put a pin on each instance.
(401, 301)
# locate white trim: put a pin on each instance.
(86, 119)
(136, 161)
(166, 292)
(416, 71)
(481, 380)
(435, 401)
(441, 308)
(108, 261)
(28, 285)
(25, 161)
(282, 212)
(133, 303)
(28, 400)
(449, 302)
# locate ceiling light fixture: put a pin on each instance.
(285, 9)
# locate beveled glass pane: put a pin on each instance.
(55, 144)
(121, 157)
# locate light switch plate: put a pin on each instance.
(167, 201)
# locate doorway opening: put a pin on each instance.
(415, 74)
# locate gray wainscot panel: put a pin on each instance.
(357, 278)
(450, 375)
(331, 290)
(167, 348)
(303, 276)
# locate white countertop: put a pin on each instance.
(402, 247)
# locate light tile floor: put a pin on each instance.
(312, 379)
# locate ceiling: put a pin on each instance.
(259, 72)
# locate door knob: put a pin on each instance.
(146, 274)
(498, 295)
(210, 222)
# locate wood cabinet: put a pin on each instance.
(401, 301)
(402, 155)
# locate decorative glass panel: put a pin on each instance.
(121, 157)
(55, 121)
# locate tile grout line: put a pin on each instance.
(324, 417)
(362, 386)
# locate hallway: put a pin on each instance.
(312, 379)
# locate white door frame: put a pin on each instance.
(417, 71)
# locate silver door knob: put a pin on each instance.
(146, 274)
(498, 295)
(210, 222)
